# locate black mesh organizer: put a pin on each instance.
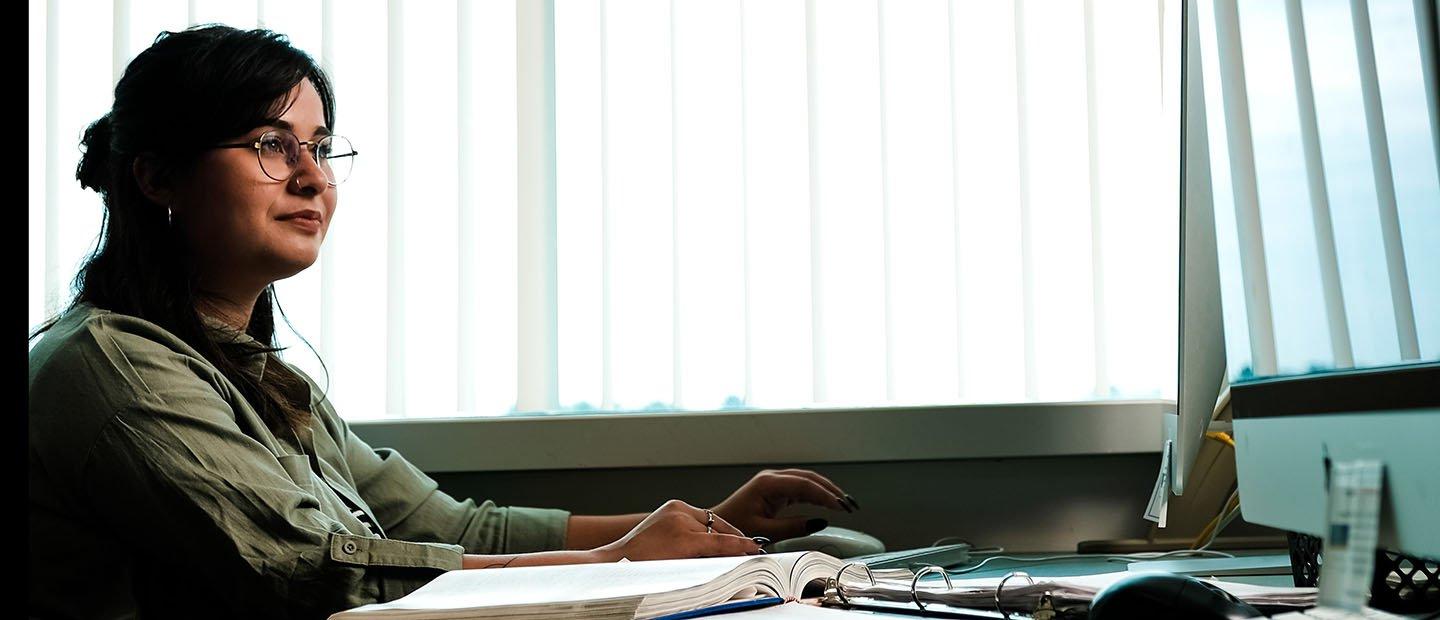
(1401, 584)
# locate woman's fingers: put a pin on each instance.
(723, 527)
(807, 490)
(720, 525)
(824, 482)
(714, 545)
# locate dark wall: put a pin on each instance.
(1024, 504)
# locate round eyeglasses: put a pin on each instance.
(279, 153)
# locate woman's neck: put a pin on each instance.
(233, 310)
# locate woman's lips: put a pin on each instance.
(305, 221)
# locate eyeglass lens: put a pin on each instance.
(280, 153)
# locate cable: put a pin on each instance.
(1229, 517)
(973, 549)
(1222, 438)
(1128, 557)
(1233, 503)
(1155, 555)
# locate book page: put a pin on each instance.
(547, 585)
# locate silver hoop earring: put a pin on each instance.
(169, 216)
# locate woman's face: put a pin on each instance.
(246, 229)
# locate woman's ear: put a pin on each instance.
(152, 180)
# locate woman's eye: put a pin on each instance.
(272, 145)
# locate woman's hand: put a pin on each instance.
(754, 505)
(677, 530)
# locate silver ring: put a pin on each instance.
(840, 588)
(914, 596)
(1000, 586)
(709, 522)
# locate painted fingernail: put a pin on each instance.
(760, 540)
(852, 501)
(843, 505)
(815, 525)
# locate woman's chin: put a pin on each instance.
(294, 262)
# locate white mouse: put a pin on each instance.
(835, 541)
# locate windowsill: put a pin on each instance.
(772, 436)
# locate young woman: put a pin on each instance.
(177, 466)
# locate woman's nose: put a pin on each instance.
(308, 177)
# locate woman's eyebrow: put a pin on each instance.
(320, 130)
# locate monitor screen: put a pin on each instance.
(1322, 131)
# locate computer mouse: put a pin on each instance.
(1167, 595)
(835, 541)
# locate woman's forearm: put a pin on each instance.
(589, 532)
(585, 537)
(540, 558)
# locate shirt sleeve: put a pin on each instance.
(411, 506)
(174, 476)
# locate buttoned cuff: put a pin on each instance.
(362, 551)
(535, 529)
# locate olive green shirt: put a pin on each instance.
(156, 490)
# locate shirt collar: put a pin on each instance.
(224, 333)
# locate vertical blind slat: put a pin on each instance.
(465, 367)
(120, 39)
(955, 200)
(748, 387)
(1319, 196)
(327, 251)
(887, 277)
(53, 293)
(1427, 23)
(1027, 260)
(395, 217)
(607, 356)
(538, 378)
(812, 115)
(35, 153)
(677, 397)
(1242, 177)
(1092, 141)
(1384, 183)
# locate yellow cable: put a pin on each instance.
(1230, 505)
(1221, 437)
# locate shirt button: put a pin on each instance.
(349, 547)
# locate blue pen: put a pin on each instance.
(725, 608)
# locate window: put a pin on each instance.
(779, 204)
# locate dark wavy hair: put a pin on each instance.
(187, 91)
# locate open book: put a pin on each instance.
(626, 590)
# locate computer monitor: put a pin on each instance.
(1201, 364)
(1323, 173)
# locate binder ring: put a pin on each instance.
(916, 581)
(840, 588)
(1000, 586)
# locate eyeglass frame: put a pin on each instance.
(308, 145)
